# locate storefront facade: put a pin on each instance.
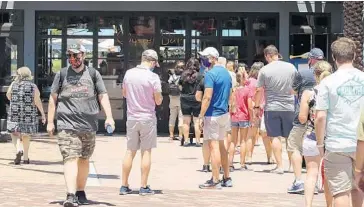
(115, 34)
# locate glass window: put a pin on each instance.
(138, 45)
(171, 26)
(235, 27)
(50, 25)
(109, 26)
(172, 48)
(142, 25)
(200, 44)
(80, 25)
(234, 49)
(258, 49)
(9, 58)
(265, 26)
(204, 26)
(110, 58)
(309, 23)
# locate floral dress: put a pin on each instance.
(22, 114)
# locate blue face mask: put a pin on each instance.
(205, 62)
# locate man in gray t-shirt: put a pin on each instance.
(77, 91)
(276, 79)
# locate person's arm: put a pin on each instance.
(304, 107)
(209, 88)
(38, 101)
(260, 87)
(199, 92)
(322, 105)
(103, 96)
(157, 87)
(359, 162)
(8, 93)
(53, 98)
(296, 83)
(250, 109)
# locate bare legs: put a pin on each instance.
(186, 127)
(251, 140)
(206, 152)
(145, 167)
(313, 164)
(277, 151)
(215, 159)
(243, 145)
(127, 165)
(197, 130)
(234, 139)
(267, 145)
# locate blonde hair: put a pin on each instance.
(232, 66)
(23, 74)
(322, 69)
(240, 76)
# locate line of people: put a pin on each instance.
(229, 106)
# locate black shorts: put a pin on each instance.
(190, 109)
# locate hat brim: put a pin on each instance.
(202, 53)
(74, 51)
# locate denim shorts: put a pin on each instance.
(240, 124)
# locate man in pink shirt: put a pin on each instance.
(142, 90)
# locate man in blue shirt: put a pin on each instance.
(214, 117)
(304, 80)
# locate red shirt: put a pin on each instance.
(241, 113)
(252, 84)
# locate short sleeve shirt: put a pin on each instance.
(78, 107)
(341, 95)
(219, 79)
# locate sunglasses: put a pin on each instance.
(74, 55)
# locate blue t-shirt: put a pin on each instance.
(219, 79)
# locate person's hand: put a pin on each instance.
(200, 122)
(321, 150)
(44, 119)
(359, 180)
(111, 122)
(50, 128)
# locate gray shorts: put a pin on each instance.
(141, 134)
(278, 123)
(215, 127)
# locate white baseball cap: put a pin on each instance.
(209, 51)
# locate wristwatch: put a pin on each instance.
(256, 107)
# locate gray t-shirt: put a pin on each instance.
(77, 102)
(277, 78)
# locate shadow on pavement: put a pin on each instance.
(90, 203)
(34, 170)
(36, 162)
(101, 176)
(156, 192)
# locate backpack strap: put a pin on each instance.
(92, 72)
(62, 76)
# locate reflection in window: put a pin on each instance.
(110, 26)
(8, 59)
(142, 25)
(50, 25)
(200, 44)
(137, 46)
(265, 26)
(259, 46)
(110, 58)
(234, 27)
(307, 23)
(79, 25)
(204, 26)
(234, 49)
(173, 26)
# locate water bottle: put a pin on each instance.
(109, 129)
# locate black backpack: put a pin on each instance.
(92, 72)
(174, 88)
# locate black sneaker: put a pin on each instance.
(18, 158)
(232, 168)
(71, 201)
(146, 191)
(210, 184)
(81, 197)
(206, 168)
(27, 162)
(182, 141)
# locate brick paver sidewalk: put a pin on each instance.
(175, 172)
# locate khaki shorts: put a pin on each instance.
(215, 127)
(76, 144)
(141, 134)
(295, 138)
(339, 171)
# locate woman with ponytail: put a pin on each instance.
(322, 69)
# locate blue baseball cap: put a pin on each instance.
(316, 53)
